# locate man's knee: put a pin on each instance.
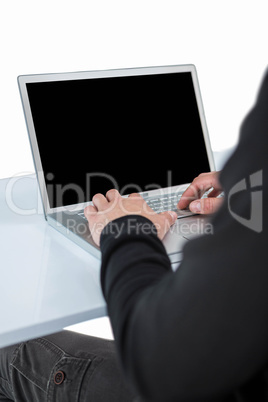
(64, 366)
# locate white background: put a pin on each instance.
(226, 40)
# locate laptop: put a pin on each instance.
(137, 130)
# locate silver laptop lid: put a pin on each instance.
(134, 129)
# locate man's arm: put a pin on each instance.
(197, 333)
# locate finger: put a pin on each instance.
(100, 202)
(90, 210)
(112, 194)
(134, 195)
(203, 174)
(199, 186)
(206, 205)
(214, 193)
(170, 218)
(190, 194)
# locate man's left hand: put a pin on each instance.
(112, 206)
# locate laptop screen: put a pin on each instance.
(134, 133)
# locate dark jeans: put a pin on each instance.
(63, 367)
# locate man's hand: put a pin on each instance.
(192, 196)
(113, 206)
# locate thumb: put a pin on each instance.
(170, 218)
(205, 206)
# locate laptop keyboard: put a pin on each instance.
(168, 202)
(165, 202)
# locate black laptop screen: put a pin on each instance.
(134, 133)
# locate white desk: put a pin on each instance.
(47, 282)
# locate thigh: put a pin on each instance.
(6, 355)
(63, 367)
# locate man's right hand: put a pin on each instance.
(192, 196)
